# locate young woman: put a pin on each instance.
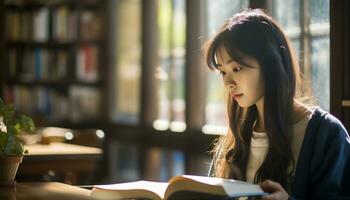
(292, 150)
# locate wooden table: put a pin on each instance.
(39, 191)
(67, 159)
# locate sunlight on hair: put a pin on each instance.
(214, 130)
(100, 134)
(69, 136)
(161, 124)
(178, 126)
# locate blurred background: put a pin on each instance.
(125, 79)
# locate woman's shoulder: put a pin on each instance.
(326, 118)
(318, 118)
(323, 122)
(324, 156)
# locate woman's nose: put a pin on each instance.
(231, 84)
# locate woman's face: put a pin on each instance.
(244, 82)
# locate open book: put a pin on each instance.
(179, 187)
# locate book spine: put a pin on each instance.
(38, 63)
(41, 25)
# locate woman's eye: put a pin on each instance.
(236, 69)
(222, 73)
(219, 72)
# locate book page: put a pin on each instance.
(232, 188)
(156, 187)
(239, 188)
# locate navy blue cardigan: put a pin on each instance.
(323, 166)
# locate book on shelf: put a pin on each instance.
(87, 63)
(38, 64)
(179, 187)
(59, 69)
(12, 62)
(35, 24)
(13, 25)
(90, 25)
(41, 24)
(64, 24)
(163, 163)
(39, 101)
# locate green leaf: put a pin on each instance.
(3, 139)
(8, 114)
(1, 107)
(24, 123)
(9, 111)
(10, 144)
(14, 147)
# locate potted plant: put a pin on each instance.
(11, 146)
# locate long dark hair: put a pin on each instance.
(255, 34)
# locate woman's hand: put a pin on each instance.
(274, 189)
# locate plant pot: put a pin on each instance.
(8, 169)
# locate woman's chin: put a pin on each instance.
(244, 104)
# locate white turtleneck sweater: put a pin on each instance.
(259, 145)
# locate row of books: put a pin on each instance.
(59, 24)
(38, 64)
(51, 65)
(162, 163)
(77, 104)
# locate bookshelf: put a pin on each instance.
(52, 62)
(48, 75)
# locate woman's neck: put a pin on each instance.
(300, 111)
(260, 123)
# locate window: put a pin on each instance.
(319, 30)
(308, 29)
(126, 61)
(170, 72)
(289, 19)
(215, 109)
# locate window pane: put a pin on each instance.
(172, 33)
(296, 46)
(288, 18)
(220, 10)
(128, 58)
(320, 71)
(319, 10)
(215, 110)
(319, 27)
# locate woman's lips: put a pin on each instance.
(238, 95)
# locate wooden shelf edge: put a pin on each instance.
(345, 103)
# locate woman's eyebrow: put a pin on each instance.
(227, 62)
